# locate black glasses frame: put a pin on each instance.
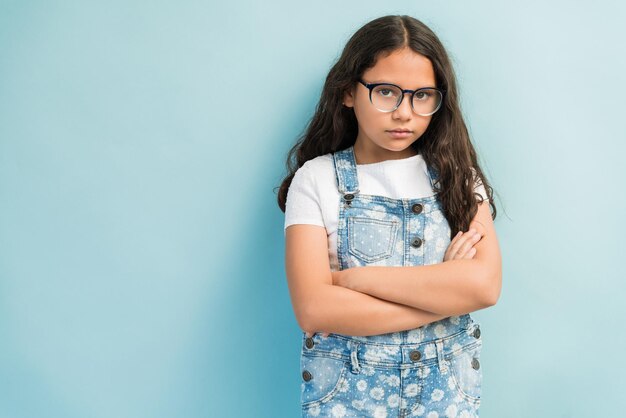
(370, 87)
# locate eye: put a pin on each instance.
(386, 92)
(422, 95)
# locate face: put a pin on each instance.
(374, 142)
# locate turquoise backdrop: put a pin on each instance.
(141, 245)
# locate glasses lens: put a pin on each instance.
(385, 97)
(426, 101)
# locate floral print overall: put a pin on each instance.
(432, 371)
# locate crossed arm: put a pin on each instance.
(450, 288)
(375, 300)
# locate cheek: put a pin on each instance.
(367, 109)
(424, 123)
(371, 120)
(366, 113)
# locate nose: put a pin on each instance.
(404, 111)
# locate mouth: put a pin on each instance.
(400, 133)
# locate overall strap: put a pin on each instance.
(432, 176)
(345, 170)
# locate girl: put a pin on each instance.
(390, 242)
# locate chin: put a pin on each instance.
(398, 144)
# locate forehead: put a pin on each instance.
(403, 67)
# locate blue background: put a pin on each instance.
(141, 245)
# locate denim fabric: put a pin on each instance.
(431, 371)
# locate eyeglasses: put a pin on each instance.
(387, 97)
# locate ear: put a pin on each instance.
(348, 98)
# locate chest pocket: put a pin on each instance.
(371, 239)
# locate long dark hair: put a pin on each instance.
(445, 145)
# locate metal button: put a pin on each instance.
(476, 333)
(417, 208)
(306, 375)
(348, 196)
(475, 364)
(309, 343)
(416, 242)
(415, 355)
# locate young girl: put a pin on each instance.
(390, 241)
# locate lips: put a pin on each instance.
(400, 134)
(400, 130)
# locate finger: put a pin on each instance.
(457, 247)
(470, 254)
(458, 234)
(469, 244)
(449, 251)
(467, 249)
(469, 240)
(456, 238)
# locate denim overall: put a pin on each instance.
(431, 371)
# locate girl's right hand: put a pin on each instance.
(462, 245)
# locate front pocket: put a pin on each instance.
(371, 239)
(467, 372)
(322, 377)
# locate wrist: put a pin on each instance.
(354, 278)
(342, 278)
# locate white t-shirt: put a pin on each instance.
(313, 197)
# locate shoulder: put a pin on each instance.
(314, 174)
(478, 185)
(319, 165)
(307, 197)
(478, 181)
(315, 171)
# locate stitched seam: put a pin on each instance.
(331, 394)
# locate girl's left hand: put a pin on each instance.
(462, 245)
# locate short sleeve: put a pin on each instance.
(303, 205)
(478, 186)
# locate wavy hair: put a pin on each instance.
(445, 145)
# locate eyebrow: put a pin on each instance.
(391, 82)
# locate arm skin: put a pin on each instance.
(453, 287)
(321, 307)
